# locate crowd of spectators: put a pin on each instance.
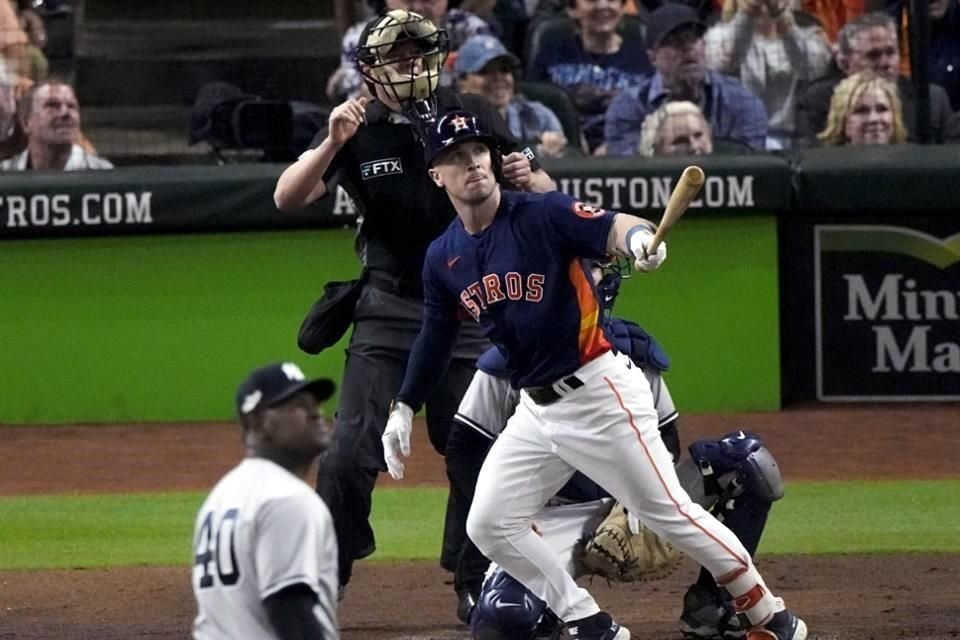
(636, 77)
(746, 75)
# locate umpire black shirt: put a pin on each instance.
(382, 169)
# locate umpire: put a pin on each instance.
(372, 148)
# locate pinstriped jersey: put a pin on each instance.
(260, 530)
(523, 280)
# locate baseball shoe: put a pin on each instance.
(706, 616)
(466, 601)
(599, 626)
(783, 626)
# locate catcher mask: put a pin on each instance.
(407, 73)
(613, 272)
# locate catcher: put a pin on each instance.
(736, 477)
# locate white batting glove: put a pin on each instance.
(643, 261)
(396, 438)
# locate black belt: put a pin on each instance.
(550, 393)
(396, 286)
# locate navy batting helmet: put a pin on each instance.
(453, 128)
(506, 610)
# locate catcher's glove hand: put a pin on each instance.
(616, 553)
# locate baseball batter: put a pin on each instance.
(265, 552)
(735, 477)
(511, 261)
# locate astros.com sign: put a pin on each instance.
(621, 193)
(887, 307)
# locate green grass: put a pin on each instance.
(156, 528)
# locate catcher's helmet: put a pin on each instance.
(613, 273)
(403, 79)
(453, 128)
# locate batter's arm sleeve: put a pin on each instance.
(433, 347)
(429, 360)
(290, 612)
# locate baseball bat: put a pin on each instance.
(683, 194)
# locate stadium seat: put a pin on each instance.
(559, 102)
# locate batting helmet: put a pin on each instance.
(453, 128)
(381, 64)
(506, 610)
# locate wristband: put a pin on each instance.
(532, 157)
(631, 233)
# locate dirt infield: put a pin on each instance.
(842, 598)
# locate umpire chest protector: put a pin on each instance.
(383, 170)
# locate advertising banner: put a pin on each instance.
(886, 305)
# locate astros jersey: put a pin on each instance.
(260, 530)
(523, 280)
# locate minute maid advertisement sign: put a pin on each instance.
(887, 314)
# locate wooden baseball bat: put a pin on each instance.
(683, 194)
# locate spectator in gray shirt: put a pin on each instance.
(761, 43)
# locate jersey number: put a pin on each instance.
(216, 545)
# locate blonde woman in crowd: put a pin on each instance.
(675, 128)
(865, 110)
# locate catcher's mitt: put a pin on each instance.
(616, 553)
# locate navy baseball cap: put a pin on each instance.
(479, 51)
(453, 128)
(669, 17)
(272, 384)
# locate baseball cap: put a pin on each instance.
(477, 52)
(669, 17)
(272, 384)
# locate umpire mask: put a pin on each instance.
(408, 72)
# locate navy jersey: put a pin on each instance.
(626, 336)
(522, 278)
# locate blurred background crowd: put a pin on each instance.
(186, 82)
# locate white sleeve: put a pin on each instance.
(662, 400)
(487, 404)
(295, 543)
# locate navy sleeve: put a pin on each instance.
(428, 361)
(580, 228)
(433, 347)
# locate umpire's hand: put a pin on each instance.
(396, 438)
(345, 119)
(516, 170)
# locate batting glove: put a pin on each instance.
(396, 438)
(643, 261)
